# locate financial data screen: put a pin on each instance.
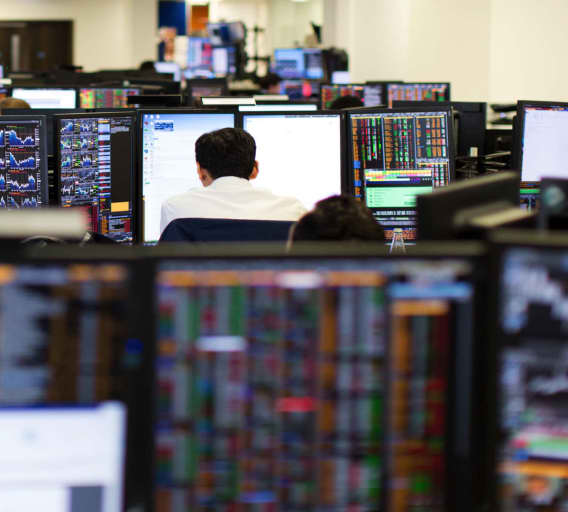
(370, 95)
(168, 159)
(106, 97)
(418, 92)
(544, 150)
(96, 171)
(298, 63)
(533, 380)
(22, 182)
(47, 98)
(298, 155)
(199, 54)
(275, 381)
(396, 156)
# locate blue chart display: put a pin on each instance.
(20, 177)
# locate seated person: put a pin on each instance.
(13, 103)
(346, 102)
(337, 218)
(225, 166)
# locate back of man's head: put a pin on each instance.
(13, 103)
(338, 218)
(226, 152)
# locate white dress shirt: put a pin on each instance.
(230, 197)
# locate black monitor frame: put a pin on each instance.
(519, 130)
(49, 86)
(314, 113)
(139, 198)
(133, 154)
(384, 110)
(30, 116)
(447, 84)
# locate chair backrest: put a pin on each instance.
(226, 230)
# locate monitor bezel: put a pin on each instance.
(313, 113)
(519, 130)
(139, 179)
(43, 153)
(133, 153)
(49, 87)
(405, 110)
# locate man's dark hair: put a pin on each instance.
(268, 80)
(346, 101)
(226, 152)
(338, 218)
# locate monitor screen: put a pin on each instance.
(297, 63)
(223, 33)
(396, 155)
(4, 92)
(199, 54)
(285, 371)
(299, 155)
(370, 94)
(341, 77)
(47, 98)
(299, 89)
(171, 68)
(106, 97)
(532, 451)
(168, 159)
(95, 170)
(530, 195)
(279, 107)
(62, 459)
(224, 60)
(418, 92)
(197, 89)
(23, 162)
(543, 150)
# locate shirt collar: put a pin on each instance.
(229, 182)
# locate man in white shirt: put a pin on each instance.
(225, 165)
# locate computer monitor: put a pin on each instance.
(531, 457)
(167, 158)
(530, 195)
(95, 170)
(199, 55)
(223, 33)
(418, 92)
(300, 154)
(341, 77)
(23, 161)
(280, 387)
(63, 458)
(43, 97)
(455, 211)
(396, 155)
(220, 101)
(300, 89)
(298, 63)
(106, 97)
(197, 88)
(4, 92)
(540, 135)
(224, 60)
(172, 68)
(370, 94)
(279, 107)
(471, 124)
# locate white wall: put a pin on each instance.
(107, 33)
(290, 21)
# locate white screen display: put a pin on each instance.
(545, 149)
(47, 98)
(168, 166)
(284, 107)
(298, 155)
(62, 460)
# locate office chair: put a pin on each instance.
(226, 230)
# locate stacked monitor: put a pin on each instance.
(300, 154)
(95, 170)
(532, 368)
(167, 162)
(279, 385)
(395, 155)
(224, 60)
(372, 95)
(297, 89)
(23, 162)
(44, 97)
(298, 63)
(106, 97)
(418, 92)
(199, 57)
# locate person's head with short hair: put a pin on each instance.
(338, 218)
(13, 103)
(269, 82)
(225, 152)
(148, 66)
(347, 101)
